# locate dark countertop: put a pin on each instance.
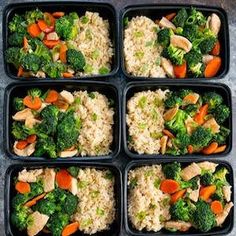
(230, 79)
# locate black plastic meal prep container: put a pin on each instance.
(105, 10)
(19, 89)
(10, 191)
(201, 88)
(156, 11)
(227, 225)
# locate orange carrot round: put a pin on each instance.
(43, 26)
(33, 30)
(210, 149)
(168, 133)
(62, 53)
(33, 201)
(51, 43)
(199, 117)
(52, 96)
(180, 71)
(31, 138)
(206, 192)
(170, 16)
(169, 186)
(70, 229)
(67, 75)
(220, 149)
(216, 49)
(21, 144)
(176, 196)
(212, 67)
(22, 187)
(217, 207)
(58, 14)
(63, 179)
(190, 149)
(20, 71)
(32, 103)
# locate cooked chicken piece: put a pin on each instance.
(44, 104)
(167, 67)
(207, 58)
(40, 74)
(190, 171)
(52, 36)
(214, 23)
(22, 115)
(169, 143)
(165, 23)
(67, 96)
(212, 124)
(170, 114)
(227, 192)
(74, 187)
(163, 143)
(55, 56)
(38, 222)
(26, 151)
(181, 42)
(70, 70)
(49, 180)
(208, 166)
(29, 176)
(191, 99)
(221, 217)
(190, 125)
(178, 225)
(68, 153)
(31, 121)
(194, 194)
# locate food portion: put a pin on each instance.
(177, 122)
(59, 44)
(62, 124)
(182, 44)
(177, 197)
(60, 201)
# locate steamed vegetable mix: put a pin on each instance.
(43, 44)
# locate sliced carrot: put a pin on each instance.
(206, 192)
(20, 71)
(216, 49)
(176, 196)
(21, 144)
(22, 187)
(31, 138)
(58, 14)
(168, 133)
(210, 149)
(70, 229)
(52, 96)
(34, 200)
(170, 16)
(62, 53)
(169, 186)
(63, 179)
(199, 117)
(33, 30)
(217, 207)
(44, 27)
(220, 149)
(67, 75)
(32, 103)
(180, 71)
(190, 149)
(51, 43)
(25, 43)
(49, 19)
(212, 67)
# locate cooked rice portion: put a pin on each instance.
(94, 42)
(148, 206)
(141, 51)
(96, 134)
(145, 120)
(96, 208)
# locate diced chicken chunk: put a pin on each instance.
(22, 115)
(40, 74)
(212, 124)
(74, 187)
(42, 106)
(190, 171)
(31, 121)
(227, 192)
(190, 125)
(49, 180)
(181, 42)
(55, 56)
(178, 225)
(29, 176)
(68, 153)
(165, 23)
(38, 222)
(207, 58)
(27, 151)
(52, 36)
(214, 23)
(163, 143)
(191, 99)
(194, 194)
(208, 166)
(220, 219)
(167, 67)
(170, 114)
(68, 96)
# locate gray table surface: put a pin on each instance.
(230, 79)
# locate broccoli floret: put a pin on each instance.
(34, 42)
(197, 70)
(163, 36)
(57, 222)
(16, 39)
(36, 189)
(173, 100)
(201, 137)
(74, 171)
(70, 204)
(54, 69)
(34, 92)
(207, 179)
(17, 24)
(33, 16)
(31, 62)
(19, 130)
(14, 55)
(190, 32)
(180, 211)
(45, 146)
(45, 207)
(203, 217)
(21, 218)
(193, 58)
(75, 59)
(180, 18)
(218, 195)
(173, 151)
(193, 183)
(221, 113)
(184, 92)
(172, 170)
(221, 137)
(67, 132)
(18, 104)
(18, 200)
(43, 52)
(177, 124)
(58, 196)
(196, 18)
(207, 44)
(176, 55)
(191, 109)
(182, 140)
(73, 16)
(221, 175)
(213, 99)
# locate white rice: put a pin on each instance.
(141, 51)
(148, 206)
(145, 120)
